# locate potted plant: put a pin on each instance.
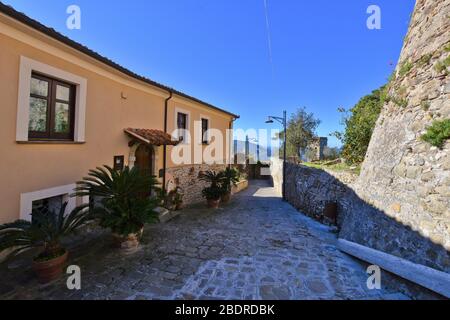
(124, 205)
(214, 191)
(44, 233)
(230, 177)
(178, 198)
(172, 200)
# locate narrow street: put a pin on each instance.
(257, 247)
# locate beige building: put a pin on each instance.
(65, 109)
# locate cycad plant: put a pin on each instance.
(124, 205)
(44, 232)
(215, 179)
(230, 177)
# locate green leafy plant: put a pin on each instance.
(405, 68)
(359, 124)
(44, 232)
(125, 204)
(441, 66)
(425, 59)
(425, 104)
(438, 133)
(401, 102)
(214, 191)
(447, 48)
(230, 178)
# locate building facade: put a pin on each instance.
(65, 109)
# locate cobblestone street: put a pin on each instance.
(257, 247)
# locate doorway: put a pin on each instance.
(145, 159)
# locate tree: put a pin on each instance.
(301, 128)
(359, 125)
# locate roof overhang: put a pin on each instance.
(152, 137)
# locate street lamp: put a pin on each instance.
(283, 121)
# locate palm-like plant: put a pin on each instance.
(230, 177)
(214, 191)
(212, 177)
(44, 232)
(125, 205)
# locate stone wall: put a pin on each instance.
(186, 177)
(404, 177)
(310, 189)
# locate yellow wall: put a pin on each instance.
(31, 167)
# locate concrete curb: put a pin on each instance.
(429, 278)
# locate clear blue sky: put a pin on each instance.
(323, 55)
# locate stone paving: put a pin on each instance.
(257, 247)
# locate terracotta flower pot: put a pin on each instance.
(214, 204)
(226, 197)
(50, 270)
(128, 244)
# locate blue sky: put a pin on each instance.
(323, 56)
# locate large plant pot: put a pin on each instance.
(213, 204)
(128, 244)
(50, 270)
(226, 197)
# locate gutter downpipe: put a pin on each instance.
(166, 105)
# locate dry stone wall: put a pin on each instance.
(186, 177)
(400, 204)
(310, 189)
(403, 176)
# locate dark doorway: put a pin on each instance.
(145, 156)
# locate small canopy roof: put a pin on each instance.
(152, 136)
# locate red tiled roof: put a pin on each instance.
(152, 136)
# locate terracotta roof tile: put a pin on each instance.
(152, 136)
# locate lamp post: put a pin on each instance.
(283, 121)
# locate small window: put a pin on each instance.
(205, 128)
(48, 205)
(52, 109)
(182, 125)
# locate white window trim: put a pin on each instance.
(26, 199)
(209, 127)
(27, 67)
(188, 124)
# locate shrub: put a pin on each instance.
(405, 68)
(125, 204)
(441, 66)
(230, 178)
(438, 133)
(44, 232)
(214, 191)
(360, 124)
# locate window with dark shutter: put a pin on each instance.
(182, 125)
(205, 128)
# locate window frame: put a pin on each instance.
(27, 66)
(177, 134)
(204, 133)
(52, 100)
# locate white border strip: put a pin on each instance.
(429, 278)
